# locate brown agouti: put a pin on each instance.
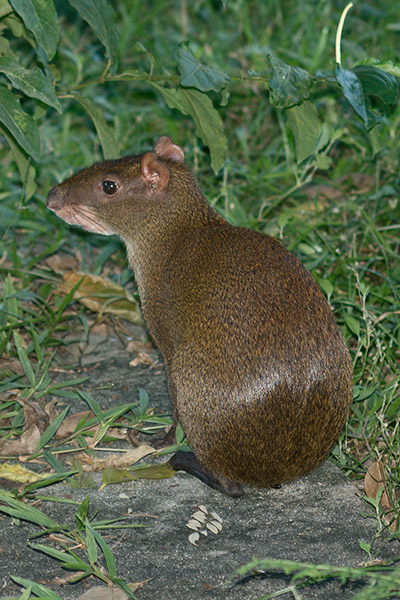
(258, 372)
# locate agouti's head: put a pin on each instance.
(102, 198)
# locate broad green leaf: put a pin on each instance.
(23, 358)
(352, 324)
(32, 82)
(207, 120)
(306, 128)
(288, 85)
(40, 17)
(352, 90)
(101, 16)
(195, 74)
(105, 133)
(21, 126)
(52, 429)
(376, 82)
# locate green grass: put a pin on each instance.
(340, 217)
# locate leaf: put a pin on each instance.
(23, 358)
(39, 590)
(306, 128)
(288, 85)
(40, 17)
(52, 429)
(21, 126)
(352, 90)
(376, 82)
(195, 74)
(105, 548)
(161, 471)
(32, 82)
(18, 509)
(352, 324)
(101, 16)
(105, 133)
(207, 120)
(19, 474)
(102, 295)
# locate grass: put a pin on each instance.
(341, 218)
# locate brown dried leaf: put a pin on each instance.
(143, 358)
(374, 481)
(116, 459)
(24, 445)
(102, 295)
(60, 263)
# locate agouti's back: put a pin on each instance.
(262, 375)
(258, 373)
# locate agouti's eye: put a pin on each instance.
(109, 187)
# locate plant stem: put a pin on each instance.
(339, 33)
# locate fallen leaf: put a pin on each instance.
(60, 263)
(112, 592)
(115, 460)
(374, 481)
(161, 471)
(102, 295)
(20, 474)
(25, 444)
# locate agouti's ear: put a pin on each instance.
(165, 148)
(154, 172)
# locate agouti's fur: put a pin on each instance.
(258, 372)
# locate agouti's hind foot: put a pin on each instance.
(187, 461)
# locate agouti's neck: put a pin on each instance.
(152, 241)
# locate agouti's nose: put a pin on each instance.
(54, 198)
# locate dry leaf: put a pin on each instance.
(116, 459)
(112, 592)
(143, 358)
(62, 262)
(102, 295)
(20, 474)
(374, 482)
(24, 445)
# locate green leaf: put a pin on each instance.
(306, 128)
(101, 16)
(91, 544)
(108, 555)
(352, 324)
(352, 90)
(105, 133)
(288, 85)
(18, 509)
(52, 429)
(21, 126)
(376, 82)
(32, 82)
(40, 17)
(39, 590)
(82, 512)
(195, 74)
(23, 358)
(207, 120)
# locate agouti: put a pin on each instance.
(258, 372)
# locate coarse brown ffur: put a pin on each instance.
(258, 372)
